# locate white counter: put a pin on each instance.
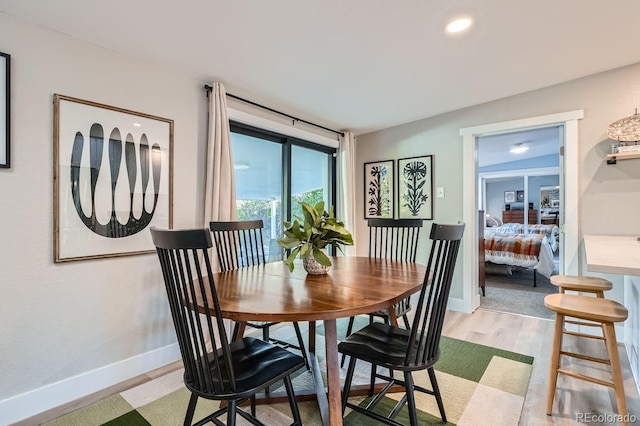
(613, 254)
(620, 254)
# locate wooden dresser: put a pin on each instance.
(517, 216)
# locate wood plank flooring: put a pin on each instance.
(523, 334)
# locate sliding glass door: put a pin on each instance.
(273, 172)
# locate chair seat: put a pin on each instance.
(383, 345)
(256, 365)
(585, 307)
(581, 283)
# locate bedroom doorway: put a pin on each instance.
(516, 206)
(469, 300)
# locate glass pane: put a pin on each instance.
(309, 178)
(257, 165)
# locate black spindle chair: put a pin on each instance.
(395, 239)
(409, 350)
(240, 244)
(214, 368)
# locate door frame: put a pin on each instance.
(569, 172)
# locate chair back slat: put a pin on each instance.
(202, 339)
(238, 243)
(424, 343)
(395, 239)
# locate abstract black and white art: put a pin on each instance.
(415, 187)
(112, 179)
(5, 74)
(378, 189)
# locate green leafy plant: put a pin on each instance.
(309, 235)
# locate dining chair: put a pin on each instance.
(395, 239)
(215, 368)
(239, 244)
(410, 350)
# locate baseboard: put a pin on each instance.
(28, 404)
(456, 304)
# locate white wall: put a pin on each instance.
(58, 321)
(609, 195)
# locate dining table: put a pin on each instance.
(353, 286)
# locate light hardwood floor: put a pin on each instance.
(527, 335)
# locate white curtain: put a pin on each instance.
(220, 191)
(347, 186)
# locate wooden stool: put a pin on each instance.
(596, 309)
(579, 283)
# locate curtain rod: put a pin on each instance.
(209, 88)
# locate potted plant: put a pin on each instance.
(307, 237)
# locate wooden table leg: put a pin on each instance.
(333, 373)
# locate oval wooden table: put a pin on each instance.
(353, 286)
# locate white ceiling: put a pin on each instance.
(361, 65)
(494, 149)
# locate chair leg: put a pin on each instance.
(296, 327)
(265, 334)
(191, 409)
(231, 413)
(372, 382)
(347, 383)
(293, 403)
(614, 357)
(253, 405)
(234, 335)
(349, 331)
(555, 361)
(411, 401)
(436, 392)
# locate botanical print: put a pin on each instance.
(379, 189)
(415, 188)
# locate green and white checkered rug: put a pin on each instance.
(480, 385)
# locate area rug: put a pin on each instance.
(480, 385)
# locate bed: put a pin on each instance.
(523, 250)
(549, 231)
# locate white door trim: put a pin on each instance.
(470, 295)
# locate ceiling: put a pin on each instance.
(361, 65)
(494, 149)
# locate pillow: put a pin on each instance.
(491, 222)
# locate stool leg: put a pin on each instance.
(555, 361)
(618, 384)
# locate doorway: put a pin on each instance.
(569, 177)
(516, 171)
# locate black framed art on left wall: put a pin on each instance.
(5, 73)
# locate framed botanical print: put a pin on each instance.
(378, 189)
(113, 179)
(415, 187)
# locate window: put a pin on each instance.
(273, 172)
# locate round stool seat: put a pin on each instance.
(581, 283)
(588, 308)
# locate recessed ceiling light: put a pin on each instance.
(458, 25)
(518, 148)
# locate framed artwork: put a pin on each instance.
(378, 189)
(113, 179)
(509, 196)
(415, 187)
(5, 74)
(519, 195)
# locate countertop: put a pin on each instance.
(614, 254)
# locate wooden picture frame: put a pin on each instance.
(378, 189)
(415, 187)
(5, 107)
(113, 179)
